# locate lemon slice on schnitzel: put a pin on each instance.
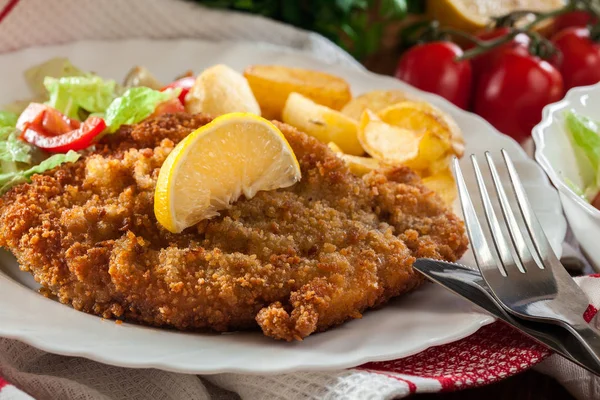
(235, 154)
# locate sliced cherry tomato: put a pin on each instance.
(33, 114)
(56, 123)
(51, 130)
(185, 84)
(596, 201)
(579, 19)
(487, 60)
(172, 106)
(511, 94)
(77, 139)
(579, 61)
(53, 121)
(433, 67)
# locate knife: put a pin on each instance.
(469, 284)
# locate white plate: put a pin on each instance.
(556, 155)
(427, 317)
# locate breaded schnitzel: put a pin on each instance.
(292, 261)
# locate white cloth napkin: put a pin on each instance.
(26, 23)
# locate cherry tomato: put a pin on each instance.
(432, 67)
(579, 19)
(77, 139)
(56, 123)
(184, 83)
(33, 114)
(511, 94)
(579, 61)
(596, 201)
(487, 60)
(172, 106)
(50, 130)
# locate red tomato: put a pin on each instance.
(184, 83)
(487, 60)
(56, 123)
(50, 130)
(432, 67)
(77, 139)
(573, 19)
(172, 106)
(511, 94)
(33, 114)
(596, 201)
(579, 62)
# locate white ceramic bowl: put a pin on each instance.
(556, 155)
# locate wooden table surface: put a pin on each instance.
(528, 385)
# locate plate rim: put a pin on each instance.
(171, 366)
(92, 354)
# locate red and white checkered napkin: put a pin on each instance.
(493, 353)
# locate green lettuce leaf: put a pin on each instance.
(584, 134)
(34, 76)
(8, 119)
(13, 149)
(574, 187)
(56, 68)
(136, 104)
(72, 94)
(9, 179)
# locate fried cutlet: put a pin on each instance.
(292, 261)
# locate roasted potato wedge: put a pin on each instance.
(387, 142)
(220, 90)
(322, 122)
(375, 101)
(358, 165)
(435, 133)
(443, 184)
(456, 136)
(272, 84)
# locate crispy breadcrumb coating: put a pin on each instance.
(292, 261)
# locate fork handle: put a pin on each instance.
(588, 336)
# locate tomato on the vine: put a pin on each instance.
(487, 60)
(433, 67)
(579, 58)
(512, 93)
(579, 19)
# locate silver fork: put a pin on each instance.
(523, 272)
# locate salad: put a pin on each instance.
(584, 134)
(70, 110)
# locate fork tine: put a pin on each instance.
(527, 257)
(539, 239)
(483, 256)
(506, 252)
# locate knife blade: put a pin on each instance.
(469, 284)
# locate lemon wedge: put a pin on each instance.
(235, 154)
(473, 15)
